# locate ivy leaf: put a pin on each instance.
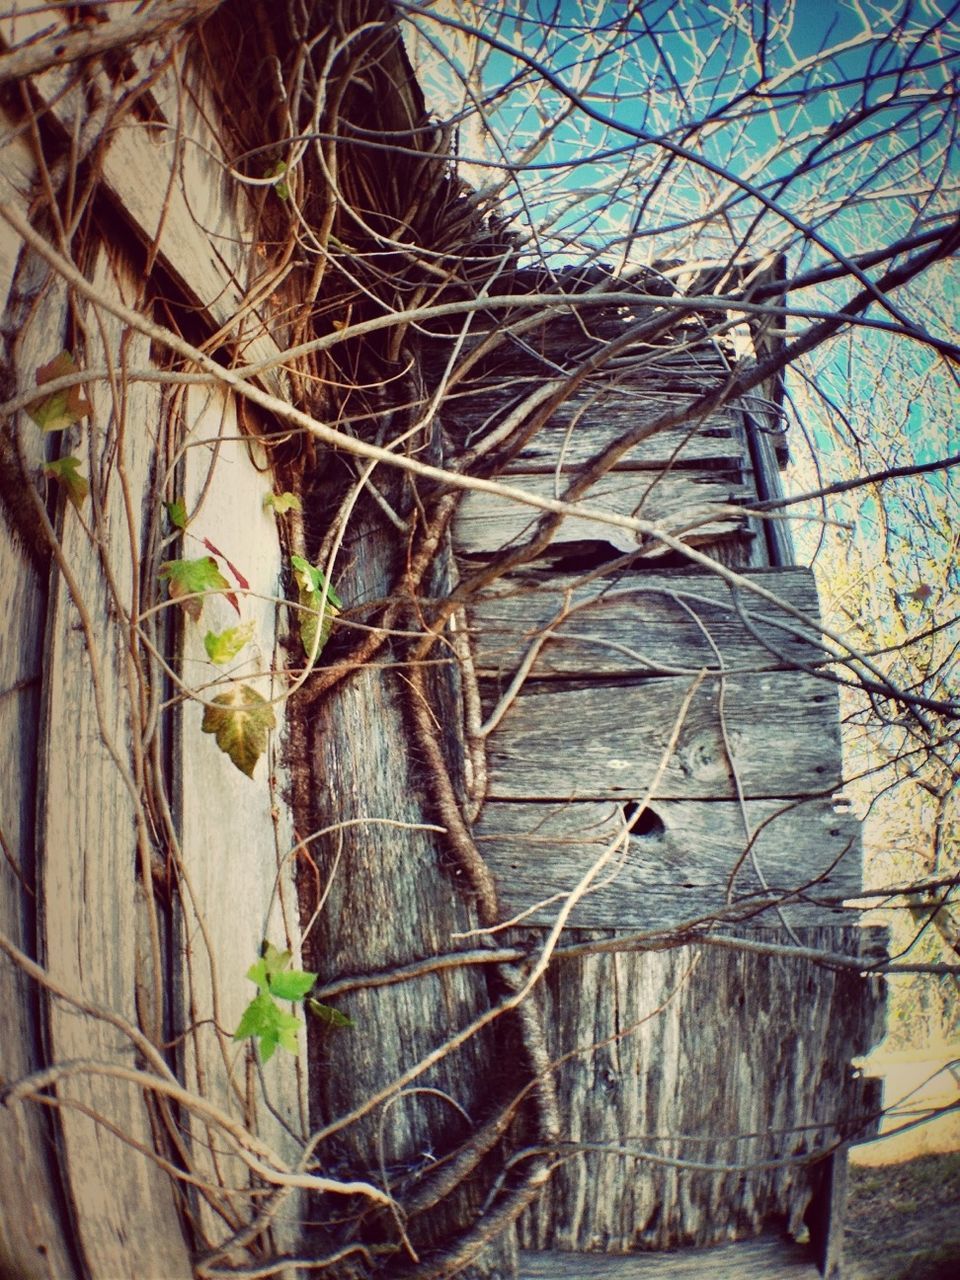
(280, 187)
(292, 984)
(187, 577)
(281, 503)
(240, 720)
(274, 960)
(65, 472)
(223, 646)
(177, 513)
(62, 409)
(326, 1013)
(259, 974)
(264, 1018)
(314, 591)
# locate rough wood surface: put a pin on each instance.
(705, 1055)
(389, 899)
(686, 858)
(641, 623)
(236, 832)
(768, 1258)
(606, 740)
(682, 501)
(34, 1238)
(87, 839)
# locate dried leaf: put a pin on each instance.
(62, 409)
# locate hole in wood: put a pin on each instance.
(646, 823)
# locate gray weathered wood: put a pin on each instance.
(682, 501)
(17, 174)
(34, 1238)
(607, 740)
(768, 1258)
(641, 623)
(593, 418)
(705, 1055)
(87, 840)
(681, 868)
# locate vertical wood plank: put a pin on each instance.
(34, 1238)
(236, 833)
(125, 1216)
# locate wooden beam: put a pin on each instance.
(768, 1258)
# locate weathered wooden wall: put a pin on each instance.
(92, 721)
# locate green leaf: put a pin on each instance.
(62, 409)
(240, 720)
(314, 591)
(275, 961)
(185, 578)
(264, 1018)
(281, 503)
(280, 187)
(65, 472)
(223, 646)
(258, 973)
(326, 1013)
(293, 984)
(177, 513)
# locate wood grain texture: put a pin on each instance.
(34, 1238)
(17, 174)
(683, 502)
(236, 831)
(705, 1055)
(593, 418)
(87, 837)
(392, 897)
(638, 624)
(688, 857)
(606, 740)
(768, 1258)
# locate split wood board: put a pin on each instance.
(93, 924)
(683, 502)
(763, 1259)
(607, 740)
(649, 624)
(685, 859)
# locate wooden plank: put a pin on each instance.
(768, 1258)
(34, 1237)
(684, 860)
(641, 624)
(590, 420)
(606, 740)
(88, 867)
(17, 174)
(235, 830)
(682, 501)
(701, 1055)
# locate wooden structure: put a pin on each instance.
(703, 1091)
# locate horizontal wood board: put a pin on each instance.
(636, 624)
(768, 1258)
(607, 740)
(691, 858)
(590, 420)
(683, 502)
(698, 1054)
